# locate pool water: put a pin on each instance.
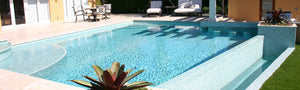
(163, 50)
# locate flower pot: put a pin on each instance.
(277, 38)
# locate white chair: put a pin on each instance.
(155, 8)
(86, 10)
(187, 6)
(78, 12)
(107, 10)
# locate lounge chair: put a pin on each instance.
(155, 8)
(189, 6)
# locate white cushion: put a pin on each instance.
(79, 13)
(156, 4)
(154, 10)
(187, 10)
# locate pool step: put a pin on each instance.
(31, 59)
(5, 47)
(245, 79)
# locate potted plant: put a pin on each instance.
(113, 79)
(279, 32)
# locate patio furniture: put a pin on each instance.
(189, 6)
(78, 12)
(101, 10)
(155, 8)
(94, 13)
(107, 10)
(87, 10)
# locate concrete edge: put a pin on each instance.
(255, 85)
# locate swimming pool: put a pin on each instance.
(164, 49)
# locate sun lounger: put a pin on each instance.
(187, 6)
(155, 8)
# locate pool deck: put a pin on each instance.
(25, 33)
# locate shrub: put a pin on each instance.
(129, 6)
(205, 9)
(276, 18)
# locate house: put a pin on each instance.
(254, 10)
(20, 12)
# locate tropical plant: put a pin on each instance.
(276, 18)
(113, 79)
(98, 2)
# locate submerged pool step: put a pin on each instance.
(5, 47)
(28, 60)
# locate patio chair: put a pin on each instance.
(86, 10)
(101, 11)
(155, 8)
(189, 6)
(107, 9)
(78, 12)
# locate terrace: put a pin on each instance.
(27, 33)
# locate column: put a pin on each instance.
(212, 11)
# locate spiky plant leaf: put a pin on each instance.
(121, 70)
(86, 84)
(129, 71)
(109, 71)
(95, 81)
(136, 85)
(115, 67)
(99, 72)
(108, 80)
(120, 79)
(132, 76)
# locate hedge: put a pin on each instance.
(129, 6)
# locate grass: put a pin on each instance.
(287, 76)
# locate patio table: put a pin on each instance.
(94, 13)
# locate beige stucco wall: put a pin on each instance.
(289, 5)
(244, 10)
(92, 3)
(56, 10)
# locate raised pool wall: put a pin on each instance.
(210, 74)
(279, 43)
(214, 74)
(277, 39)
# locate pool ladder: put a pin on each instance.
(5, 48)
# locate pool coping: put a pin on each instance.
(255, 85)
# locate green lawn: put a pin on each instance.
(287, 77)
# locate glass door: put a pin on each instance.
(19, 11)
(5, 12)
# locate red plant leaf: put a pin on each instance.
(120, 79)
(114, 76)
(108, 80)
